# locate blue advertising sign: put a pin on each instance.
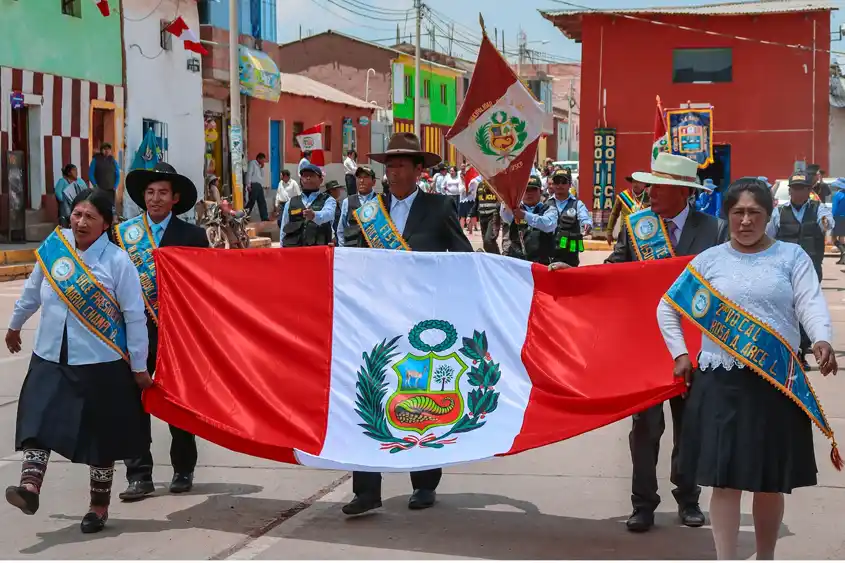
(16, 100)
(691, 134)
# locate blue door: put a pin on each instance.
(275, 153)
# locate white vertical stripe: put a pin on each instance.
(76, 151)
(47, 106)
(84, 105)
(57, 157)
(101, 91)
(5, 92)
(118, 96)
(28, 79)
(67, 98)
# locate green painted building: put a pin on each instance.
(61, 96)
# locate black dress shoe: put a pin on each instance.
(137, 490)
(22, 498)
(360, 505)
(641, 520)
(92, 523)
(691, 515)
(182, 483)
(421, 499)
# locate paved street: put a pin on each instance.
(564, 501)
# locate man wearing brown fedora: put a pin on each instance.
(418, 221)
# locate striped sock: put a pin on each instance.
(33, 468)
(101, 481)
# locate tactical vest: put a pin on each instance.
(298, 231)
(568, 237)
(352, 233)
(105, 174)
(336, 222)
(488, 202)
(807, 234)
(539, 246)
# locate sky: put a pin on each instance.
(377, 20)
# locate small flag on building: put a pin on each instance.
(660, 143)
(103, 6)
(499, 125)
(312, 140)
(180, 29)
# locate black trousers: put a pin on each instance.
(183, 456)
(368, 485)
(644, 439)
(490, 225)
(571, 258)
(256, 195)
(351, 188)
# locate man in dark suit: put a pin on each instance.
(673, 181)
(427, 223)
(163, 194)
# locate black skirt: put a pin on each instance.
(89, 414)
(740, 432)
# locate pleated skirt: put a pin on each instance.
(740, 432)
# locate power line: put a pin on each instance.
(364, 6)
(344, 18)
(368, 16)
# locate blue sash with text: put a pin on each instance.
(135, 237)
(377, 226)
(648, 235)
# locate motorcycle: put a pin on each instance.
(224, 227)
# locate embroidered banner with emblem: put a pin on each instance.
(85, 297)
(377, 226)
(648, 235)
(749, 340)
(135, 237)
(629, 201)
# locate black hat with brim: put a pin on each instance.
(138, 180)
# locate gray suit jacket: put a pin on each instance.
(701, 231)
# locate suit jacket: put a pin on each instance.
(433, 225)
(177, 233)
(701, 231)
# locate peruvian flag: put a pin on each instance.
(103, 6)
(660, 143)
(180, 29)
(412, 378)
(312, 140)
(499, 125)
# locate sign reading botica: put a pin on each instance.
(604, 169)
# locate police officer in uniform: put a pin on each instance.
(307, 218)
(348, 229)
(536, 222)
(803, 221)
(574, 221)
(486, 210)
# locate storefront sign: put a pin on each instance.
(364, 120)
(259, 75)
(16, 100)
(604, 173)
(691, 134)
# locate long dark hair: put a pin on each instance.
(101, 202)
(756, 187)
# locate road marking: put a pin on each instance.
(260, 533)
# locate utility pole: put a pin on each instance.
(520, 52)
(571, 125)
(417, 77)
(235, 131)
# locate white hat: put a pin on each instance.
(672, 170)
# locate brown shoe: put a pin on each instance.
(22, 498)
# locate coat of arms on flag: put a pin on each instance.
(427, 392)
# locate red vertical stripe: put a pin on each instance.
(291, 358)
(37, 83)
(86, 159)
(109, 93)
(57, 105)
(51, 176)
(75, 98)
(66, 156)
(580, 383)
(17, 80)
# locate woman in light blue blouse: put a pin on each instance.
(82, 393)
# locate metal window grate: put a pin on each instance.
(72, 8)
(165, 39)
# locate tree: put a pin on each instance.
(444, 375)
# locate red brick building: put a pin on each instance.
(770, 101)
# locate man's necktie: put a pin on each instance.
(673, 232)
(156, 233)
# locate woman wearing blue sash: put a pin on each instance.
(749, 414)
(82, 394)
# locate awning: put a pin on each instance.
(259, 75)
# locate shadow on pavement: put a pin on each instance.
(466, 525)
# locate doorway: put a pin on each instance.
(719, 170)
(102, 128)
(19, 141)
(277, 152)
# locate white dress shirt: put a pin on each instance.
(325, 215)
(345, 221)
(112, 267)
(453, 186)
(349, 166)
(286, 191)
(400, 209)
(255, 174)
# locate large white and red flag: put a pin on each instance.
(499, 125)
(411, 378)
(180, 29)
(311, 139)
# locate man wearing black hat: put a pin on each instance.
(423, 222)
(532, 226)
(348, 229)
(334, 189)
(162, 194)
(307, 218)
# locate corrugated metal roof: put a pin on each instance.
(304, 86)
(723, 9)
